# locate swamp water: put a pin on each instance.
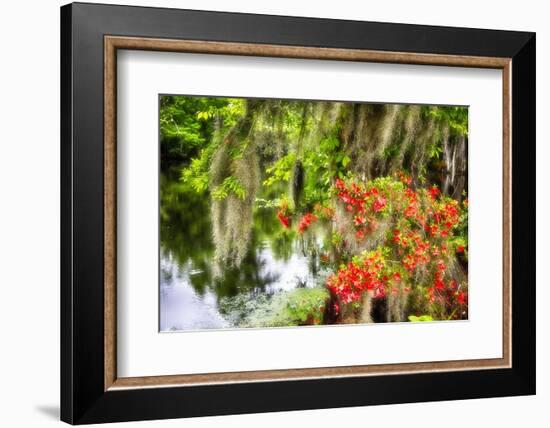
(197, 293)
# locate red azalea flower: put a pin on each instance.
(359, 220)
(434, 191)
(285, 220)
(379, 204)
(306, 221)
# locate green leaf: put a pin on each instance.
(421, 318)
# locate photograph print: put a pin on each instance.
(286, 213)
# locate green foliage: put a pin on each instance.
(196, 174)
(229, 185)
(306, 305)
(280, 170)
(302, 306)
(177, 120)
(391, 151)
(421, 318)
(336, 239)
(326, 161)
(434, 151)
(461, 239)
(456, 117)
(187, 124)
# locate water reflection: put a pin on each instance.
(191, 289)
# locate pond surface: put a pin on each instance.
(194, 290)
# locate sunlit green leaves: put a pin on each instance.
(229, 185)
(280, 170)
(434, 151)
(455, 116)
(196, 174)
(188, 123)
(421, 318)
(345, 160)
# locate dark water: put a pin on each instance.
(191, 289)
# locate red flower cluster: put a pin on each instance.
(359, 276)
(412, 206)
(424, 226)
(379, 204)
(306, 221)
(445, 217)
(284, 219)
(416, 250)
(405, 179)
(434, 191)
(364, 204)
(282, 214)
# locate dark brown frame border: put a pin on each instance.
(114, 43)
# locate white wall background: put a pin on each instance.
(29, 212)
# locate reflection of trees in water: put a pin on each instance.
(186, 238)
(281, 245)
(185, 230)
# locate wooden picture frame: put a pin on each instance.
(91, 390)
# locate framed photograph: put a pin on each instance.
(266, 213)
